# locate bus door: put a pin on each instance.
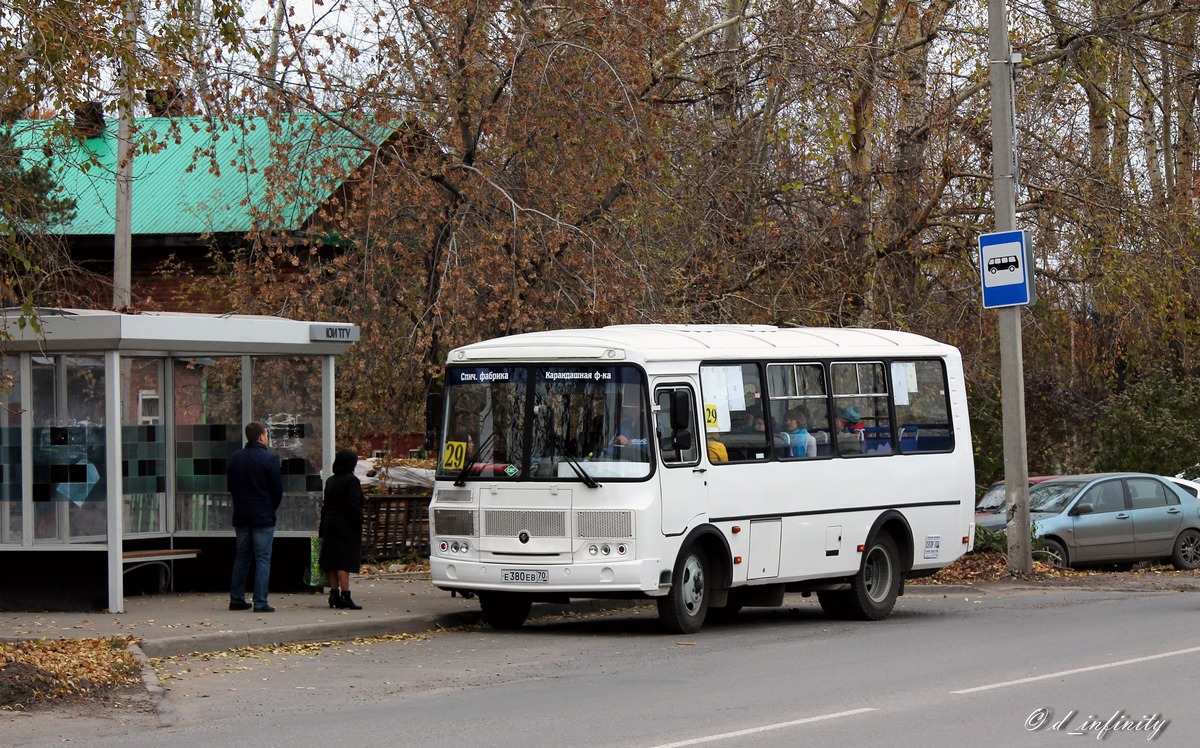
(681, 480)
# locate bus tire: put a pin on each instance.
(874, 589)
(504, 610)
(1186, 555)
(682, 610)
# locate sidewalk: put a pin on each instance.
(170, 624)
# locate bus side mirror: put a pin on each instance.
(681, 404)
(683, 440)
(680, 440)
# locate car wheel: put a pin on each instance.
(682, 610)
(504, 610)
(1187, 551)
(1053, 553)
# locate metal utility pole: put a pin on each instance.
(1012, 381)
(123, 230)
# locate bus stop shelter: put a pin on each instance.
(115, 432)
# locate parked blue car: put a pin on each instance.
(1107, 518)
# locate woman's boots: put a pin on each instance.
(342, 599)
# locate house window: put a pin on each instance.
(149, 412)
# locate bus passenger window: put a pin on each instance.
(799, 410)
(922, 406)
(863, 424)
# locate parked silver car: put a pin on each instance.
(1190, 486)
(990, 511)
(1114, 518)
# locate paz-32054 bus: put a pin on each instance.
(706, 467)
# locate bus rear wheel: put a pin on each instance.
(504, 610)
(873, 591)
(682, 610)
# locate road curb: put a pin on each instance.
(155, 692)
(174, 646)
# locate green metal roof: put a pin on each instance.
(195, 176)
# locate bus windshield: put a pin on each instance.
(584, 423)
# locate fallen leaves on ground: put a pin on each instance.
(986, 567)
(974, 568)
(48, 669)
(299, 648)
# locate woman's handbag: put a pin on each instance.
(316, 577)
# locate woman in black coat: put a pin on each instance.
(341, 528)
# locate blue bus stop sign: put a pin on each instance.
(1006, 264)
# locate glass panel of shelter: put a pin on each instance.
(143, 447)
(208, 429)
(286, 397)
(10, 450)
(69, 453)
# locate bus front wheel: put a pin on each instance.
(504, 610)
(682, 610)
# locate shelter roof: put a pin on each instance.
(174, 334)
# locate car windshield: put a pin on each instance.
(992, 499)
(1053, 496)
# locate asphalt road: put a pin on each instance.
(1004, 667)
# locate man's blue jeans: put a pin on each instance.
(254, 541)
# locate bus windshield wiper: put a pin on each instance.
(588, 480)
(461, 480)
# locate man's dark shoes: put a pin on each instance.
(239, 605)
(264, 609)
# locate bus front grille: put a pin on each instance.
(604, 524)
(539, 524)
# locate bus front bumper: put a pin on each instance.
(641, 576)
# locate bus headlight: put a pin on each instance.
(592, 549)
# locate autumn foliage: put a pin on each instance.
(587, 163)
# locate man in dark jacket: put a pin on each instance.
(256, 485)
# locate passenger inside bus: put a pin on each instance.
(743, 422)
(717, 451)
(849, 438)
(803, 444)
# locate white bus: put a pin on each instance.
(706, 467)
